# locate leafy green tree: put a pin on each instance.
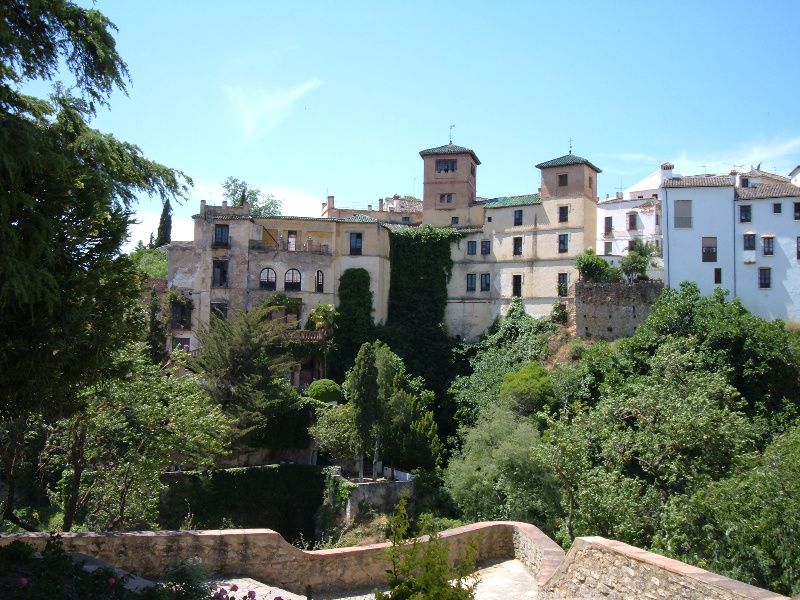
(151, 262)
(323, 316)
(362, 392)
(516, 340)
(529, 390)
(164, 234)
(325, 390)
(112, 454)
(156, 331)
(336, 431)
(238, 192)
(67, 297)
(593, 268)
(243, 364)
(634, 266)
(423, 569)
(746, 525)
(498, 473)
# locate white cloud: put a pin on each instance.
(259, 110)
(778, 156)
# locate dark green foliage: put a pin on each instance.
(164, 234)
(280, 497)
(517, 339)
(424, 569)
(243, 363)
(354, 324)
(529, 390)
(593, 268)
(283, 430)
(156, 331)
(746, 526)
(325, 390)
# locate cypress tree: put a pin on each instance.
(164, 235)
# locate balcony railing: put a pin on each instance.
(221, 243)
(683, 222)
(284, 246)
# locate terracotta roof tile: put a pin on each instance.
(566, 160)
(769, 190)
(698, 181)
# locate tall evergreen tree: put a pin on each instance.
(164, 235)
(362, 387)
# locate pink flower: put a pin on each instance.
(251, 594)
(23, 581)
(234, 588)
(111, 581)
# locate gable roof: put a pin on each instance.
(690, 181)
(450, 148)
(766, 174)
(566, 160)
(505, 201)
(769, 190)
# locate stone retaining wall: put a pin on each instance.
(599, 568)
(594, 568)
(613, 310)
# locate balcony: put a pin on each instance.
(221, 244)
(309, 246)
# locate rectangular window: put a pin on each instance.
(749, 241)
(220, 310)
(563, 180)
(798, 247)
(563, 214)
(453, 220)
(445, 198)
(181, 315)
(765, 278)
(717, 275)
(563, 284)
(517, 246)
(406, 219)
(471, 282)
(709, 253)
(219, 277)
(797, 211)
(472, 169)
(768, 243)
(488, 219)
(472, 247)
(486, 282)
(608, 248)
(518, 217)
(221, 236)
(356, 243)
(745, 182)
(291, 245)
(445, 165)
(486, 246)
(563, 243)
(777, 208)
(658, 219)
(516, 286)
(631, 221)
(180, 342)
(609, 225)
(745, 214)
(683, 214)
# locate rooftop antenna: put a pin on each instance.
(704, 169)
(452, 126)
(570, 145)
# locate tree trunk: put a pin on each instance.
(13, 453)
(375, 456)
(77, 460)
(360, 460)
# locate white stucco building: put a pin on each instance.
(739, 232)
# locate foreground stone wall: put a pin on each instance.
(594, 568)
(599, 568)
(613, 310)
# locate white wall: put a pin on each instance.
(782, 300)
(646, 228)
(712, 216)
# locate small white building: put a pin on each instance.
(743, 238)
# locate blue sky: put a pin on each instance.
(305, 99)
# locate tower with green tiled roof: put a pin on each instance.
(449, 184)
(568, 175)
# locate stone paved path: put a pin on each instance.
(505, 580)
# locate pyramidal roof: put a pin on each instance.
(451, 148)
(566, 160)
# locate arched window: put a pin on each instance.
(291, 282)
(320, 282)
(267, 279)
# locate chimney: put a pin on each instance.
(733, 175)
(380, 204)
(369, 206)
(224, 204)
(202, 207)
(666, 170)
(330, 202)
(619, 195)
